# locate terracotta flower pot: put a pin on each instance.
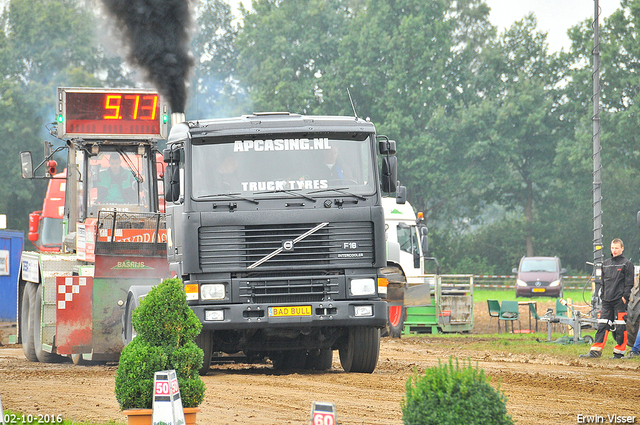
(143, 416)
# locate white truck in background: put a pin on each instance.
(419, 301)
(407, 247)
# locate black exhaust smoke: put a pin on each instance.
(157, 33)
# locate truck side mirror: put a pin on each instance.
(401, 195)
(389, 173)
(387, 147)
(26, 165)
(424, 240)
(172, 183)
(514, 270)
(171, 156)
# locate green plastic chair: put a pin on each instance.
(561, 310)
(509, 312)
(534, 313)
(494, 311)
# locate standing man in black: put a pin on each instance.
(617, 281)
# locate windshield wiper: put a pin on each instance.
(341, 190)
(232, 195)
(289, 191)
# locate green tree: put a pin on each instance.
(215, 90)
(519, 148)
(286, 48)
(43, 44)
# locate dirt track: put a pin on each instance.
(540, 389)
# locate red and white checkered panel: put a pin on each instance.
(73, 314)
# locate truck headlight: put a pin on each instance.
(213, 315)
(555, 283)
(363, 287)
(363, 310)
(214, 291)
(521, 283)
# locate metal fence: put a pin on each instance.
(509, 282)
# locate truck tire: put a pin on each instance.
(26, 322)
(128, 333)
(633, 316)
(395, 322)
(360, 352)
(205, 342)
(43, 356)
(320, 361)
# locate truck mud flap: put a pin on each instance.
(417, 295)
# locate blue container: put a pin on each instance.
(11, 245)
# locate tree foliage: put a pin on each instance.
(494, 132)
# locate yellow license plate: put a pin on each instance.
(286, 311)
(538, 289)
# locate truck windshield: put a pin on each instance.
(120, 180)
(50, 232)
(278, 167)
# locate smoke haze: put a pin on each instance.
(158, 34)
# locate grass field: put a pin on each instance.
(482, 295)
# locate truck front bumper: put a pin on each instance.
(371, 313)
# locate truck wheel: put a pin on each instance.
(633, 316)
(128, 333)
(395, 322)
(43, 356)
(26, 322)
(361, 351)
(320, 361)
(205, 342)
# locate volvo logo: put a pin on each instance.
(287, 245)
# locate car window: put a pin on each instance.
(538, 265)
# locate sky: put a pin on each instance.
(554, 16)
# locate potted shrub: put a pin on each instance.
(451, 395)
(166, 328)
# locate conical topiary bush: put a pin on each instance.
(166, 328)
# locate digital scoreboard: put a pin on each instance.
(98, 113)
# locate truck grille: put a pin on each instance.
(291, 290)
(235, 248)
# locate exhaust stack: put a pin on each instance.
(177, 118)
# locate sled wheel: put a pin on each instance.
(26, 322)
(43, 356)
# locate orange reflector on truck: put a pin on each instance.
(383, 282)
(192, 291)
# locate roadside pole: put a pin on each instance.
(597, 166)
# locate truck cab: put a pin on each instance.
(45, 226)
(108, 231)
(407, 246)
(276, 226)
